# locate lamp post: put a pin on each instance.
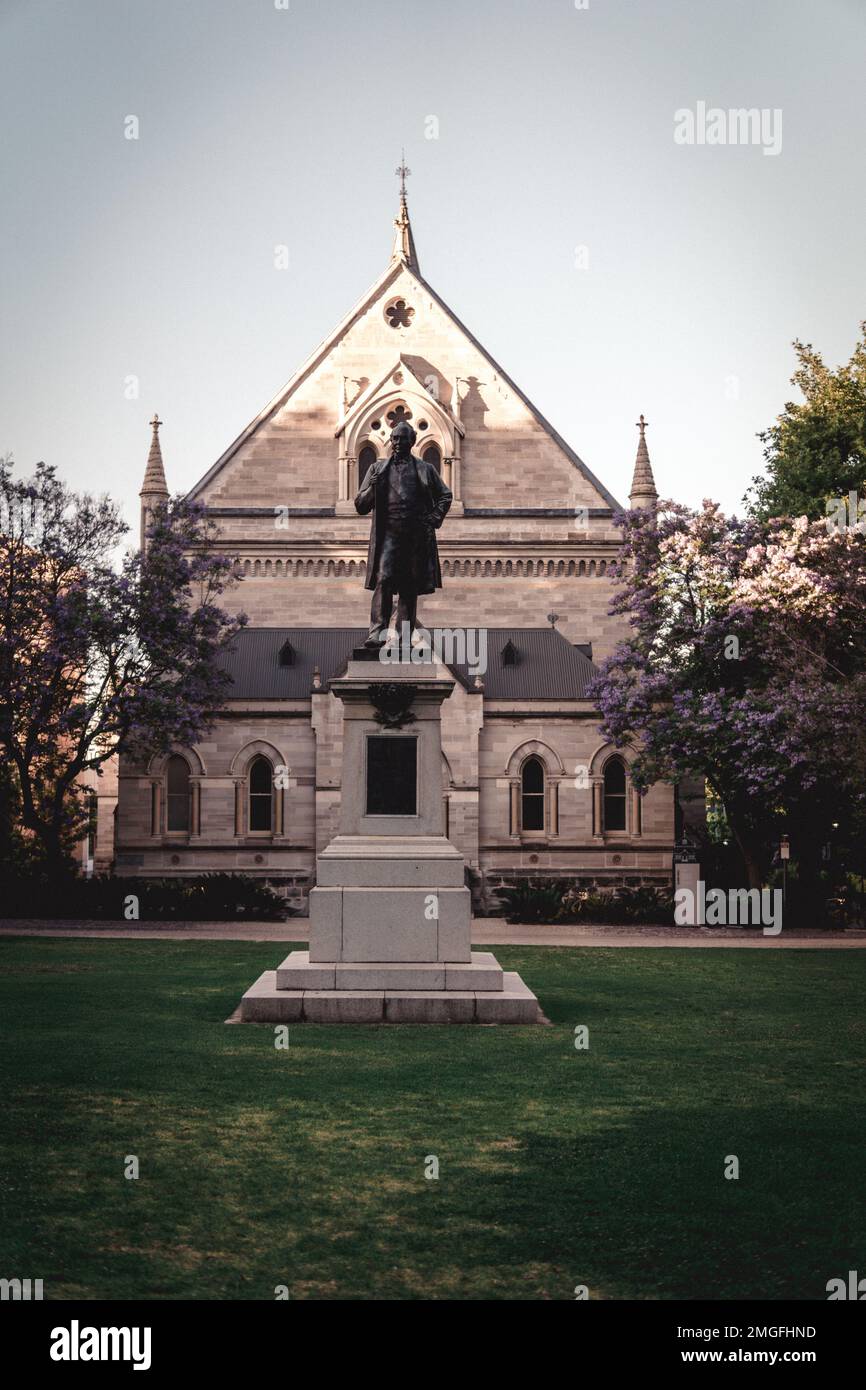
(784, 855)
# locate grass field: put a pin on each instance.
(305, 1167)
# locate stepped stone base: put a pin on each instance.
(481, 972)
(478, 992)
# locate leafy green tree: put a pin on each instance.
(746, 666)
(816, 450)
(99, 652)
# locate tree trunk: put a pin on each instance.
(748, 849)
(55, 862)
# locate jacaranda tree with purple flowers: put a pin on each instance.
(100, 651)
(746, 666)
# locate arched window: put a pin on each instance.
(432, 456)
(177, 798)
(366, 458)
(532, 795)
(614, 794)
(261, 795)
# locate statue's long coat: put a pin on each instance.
(435, 501)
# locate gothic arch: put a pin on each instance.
(441, 428)
(157, 764)
(255, 748)
(534, 747)
(603, 753)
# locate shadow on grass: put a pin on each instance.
(557, 1167)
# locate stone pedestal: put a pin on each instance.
(390, 915)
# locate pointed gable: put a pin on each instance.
(401, 339)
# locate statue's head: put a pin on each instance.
(402, 438)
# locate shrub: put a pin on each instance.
(533, 901)
(207, 897)
(555, 902)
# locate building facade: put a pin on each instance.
(531, 787)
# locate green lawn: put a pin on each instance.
(305, 1167)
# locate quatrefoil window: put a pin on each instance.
(398, 415)
(399, 314)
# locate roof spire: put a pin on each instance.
(643, 495)
(404, 242)
(154, 474)
(153, 489)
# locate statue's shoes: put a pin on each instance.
(375, 637)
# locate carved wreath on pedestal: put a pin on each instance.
(392, 701)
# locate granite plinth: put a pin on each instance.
(264, 1002)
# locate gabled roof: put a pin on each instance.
(405, 263)
(394, 269)
(403, 365)
(550, 667)
(252, 659)
(533, 410)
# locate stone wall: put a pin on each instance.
(530, 533)
(484, 744)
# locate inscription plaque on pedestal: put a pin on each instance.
(392, 776)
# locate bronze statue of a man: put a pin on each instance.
(409, 502)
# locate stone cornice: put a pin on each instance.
(603, 513)
(488, 564)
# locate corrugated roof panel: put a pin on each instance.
(549, 667)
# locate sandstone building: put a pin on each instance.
(531, 787)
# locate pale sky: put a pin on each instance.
(261, 126)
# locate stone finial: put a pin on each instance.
(154, 488)
(154, 484)
(404, 242)
(643, 495)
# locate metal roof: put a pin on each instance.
(548, 667)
